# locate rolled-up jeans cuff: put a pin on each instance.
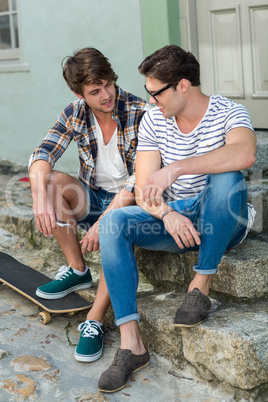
(128, 318)
(205, 271)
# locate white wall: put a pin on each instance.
(31, 101)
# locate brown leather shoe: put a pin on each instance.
(194, 309)
(124, 364)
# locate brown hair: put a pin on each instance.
(87, 66)
(170, 64)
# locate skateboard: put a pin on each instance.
(26, 280)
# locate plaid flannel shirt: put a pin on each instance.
(76, 122)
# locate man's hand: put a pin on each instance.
(156, 184)
(181, 229)
(45, 216)
(90, 241)
(43, 209)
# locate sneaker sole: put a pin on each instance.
(87, 358)
(60, 295)
(123, 386)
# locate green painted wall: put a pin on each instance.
(160, 23)
(31, 101)
(124, 30)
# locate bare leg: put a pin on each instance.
(70, 203)
(101, 303)
(131, 338)
(69, 200)
(201, 282)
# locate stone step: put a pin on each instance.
(231, 345)
(15, 195)
(49, 258)
(261, 165)
(257, 180)
(242, 271)
(258, 197)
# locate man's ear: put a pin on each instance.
(183, 85)
(79, 96)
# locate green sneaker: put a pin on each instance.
(90, 344)
(66, 281)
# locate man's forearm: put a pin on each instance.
(39, 174)
(156, 211)
(238, 154)
(122, 199)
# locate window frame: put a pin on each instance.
(11, 59)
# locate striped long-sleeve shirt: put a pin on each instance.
(76, 122)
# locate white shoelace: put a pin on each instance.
(89, 330)
(63, 273)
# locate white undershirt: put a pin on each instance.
(110, 169)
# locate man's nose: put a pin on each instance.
(152, 99)
(105, 93)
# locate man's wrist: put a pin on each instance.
(167, 212)
(178, 168)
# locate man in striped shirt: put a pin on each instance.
(190, 195)
(104, 123)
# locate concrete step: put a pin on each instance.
(258, 197)
(257, 180)
(261, 165)
(242, 270)
(231, 345)
(16, 201)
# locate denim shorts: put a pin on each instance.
(97, 202)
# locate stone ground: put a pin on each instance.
(37, 362)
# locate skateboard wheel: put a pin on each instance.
(72, 313)
(44, 317)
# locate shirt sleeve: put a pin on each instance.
(130, 183)
(56, 141)
(147, 140)
(238, 116)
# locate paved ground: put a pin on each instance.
(37, 363)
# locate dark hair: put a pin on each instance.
(170, 64)
(87, 66)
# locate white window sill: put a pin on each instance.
(7, 66)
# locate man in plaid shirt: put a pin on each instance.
(104, 124)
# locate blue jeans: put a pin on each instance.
(97, 202)
(219, 213)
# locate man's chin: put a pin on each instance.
(164, 112)
(109, 107)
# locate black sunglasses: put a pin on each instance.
(157, 92)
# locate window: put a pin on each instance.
(10, 46)
(9, 36)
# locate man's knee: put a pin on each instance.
(58, 178)
(225, 185)
(66, 185)
(113, 223)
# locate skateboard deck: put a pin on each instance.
(26, 280)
